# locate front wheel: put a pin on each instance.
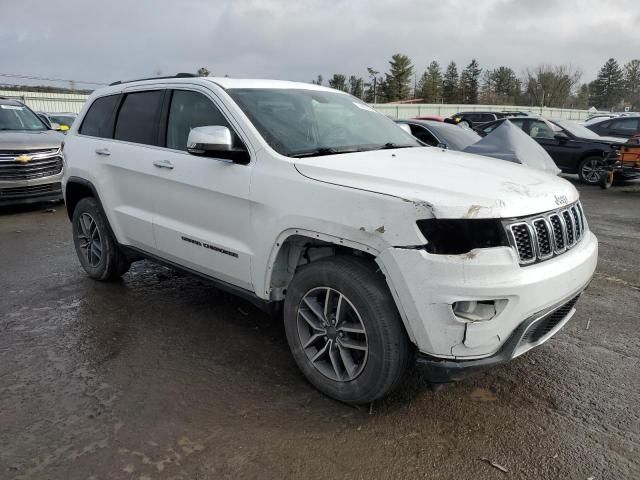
(96, 248)
(344, 330)
(591, 169)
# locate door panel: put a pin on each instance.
(201, 205)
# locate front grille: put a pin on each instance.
(43, 163)
(544, 236)
(543, 327)
(30, 191)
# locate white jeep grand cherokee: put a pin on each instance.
(380, 250)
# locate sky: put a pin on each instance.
(86, 40)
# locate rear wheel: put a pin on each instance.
(96, 248)
(591, 169)
(344, 330)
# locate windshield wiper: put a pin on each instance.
(390, 145)
(318, 152)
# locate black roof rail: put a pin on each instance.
(177, 75)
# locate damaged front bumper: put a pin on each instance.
(426, 287)
(529, 334)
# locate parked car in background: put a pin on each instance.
(574, 148)
(378, 250)
(440, 134)
(435, 118)
(511, 145)
(62, 120)
(30, 156)
(621, 127)
(477, 119)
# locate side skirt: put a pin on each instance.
(272, 308)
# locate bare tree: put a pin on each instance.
(551, 85)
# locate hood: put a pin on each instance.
(510, 143)
(452, 184)
(605, 140)
(25, 140)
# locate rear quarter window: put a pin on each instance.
(97, 121)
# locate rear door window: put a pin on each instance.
(486, 117)
(138, 118)
(190, 110)
(424, 135)
(97, 121)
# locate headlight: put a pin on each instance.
(454, 237)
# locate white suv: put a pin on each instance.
(378, 250)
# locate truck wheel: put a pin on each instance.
(344, 329)
(97, 250)
(591, 169)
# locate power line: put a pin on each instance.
(30, 77)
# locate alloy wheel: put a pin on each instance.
(592, 170)
(332, 334)
(89, 239)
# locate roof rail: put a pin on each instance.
(177, 75)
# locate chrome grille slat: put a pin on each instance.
(544, 236)
(43, 163)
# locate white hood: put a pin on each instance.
(453, 184)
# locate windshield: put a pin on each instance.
(457, 137)
(577, 130)
(62, 119)
(297, 122)
(18, 117)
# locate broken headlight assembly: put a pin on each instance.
(458, 236)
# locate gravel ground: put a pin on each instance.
(163, 376)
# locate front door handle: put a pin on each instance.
(103, 151)
(163, 164)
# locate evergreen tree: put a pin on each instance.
(430, 86)
(318, 81)
(339, 82)
(450, 93)
(609, 85)
(356, 86)
(397, 83)
(469, 82)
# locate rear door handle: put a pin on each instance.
(103, 151)
(163, 164)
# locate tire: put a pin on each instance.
(606, 180)
(590, 170)
(345, 372)
(96, 248)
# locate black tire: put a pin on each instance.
(112, 263)
(590, 170)
(389, 352)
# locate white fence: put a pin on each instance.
(446, 110)
(48, 101)
(71, 102)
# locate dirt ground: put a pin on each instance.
(162, 376)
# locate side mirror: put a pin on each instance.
(64, 128)
(405, 127)
(561, 137)
(215, 141)
(55, 126)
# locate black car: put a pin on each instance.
(478, 119)
(440, 134)
(622, 127)
(574, 148)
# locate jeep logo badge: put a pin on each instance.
(561, 200)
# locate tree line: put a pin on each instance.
(614, 88)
